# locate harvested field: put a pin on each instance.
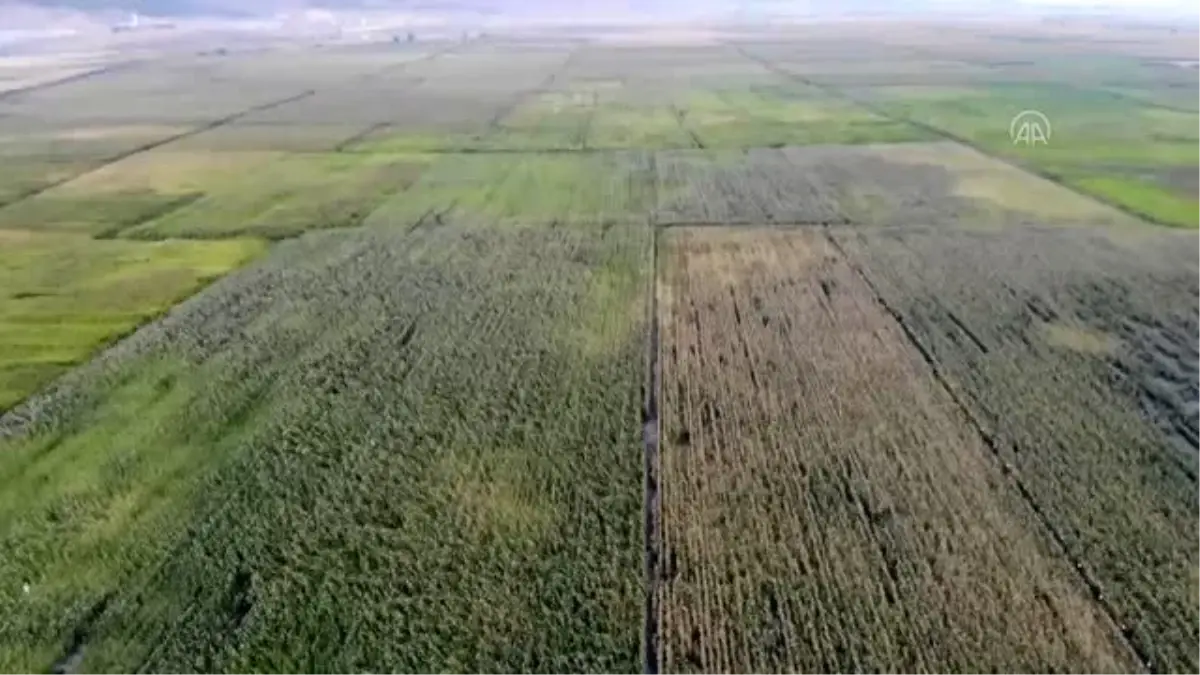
(825, 504)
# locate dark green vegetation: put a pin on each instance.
(928, 400)
(370, 450)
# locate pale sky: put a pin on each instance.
(1183, 5)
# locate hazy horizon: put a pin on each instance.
(33, 21)
(681, 8)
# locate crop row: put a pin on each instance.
(1075, 352)
(369, 452)
(825, 505)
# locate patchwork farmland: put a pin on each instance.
(744, 350)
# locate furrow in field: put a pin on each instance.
(1071, 331)
(826, 505)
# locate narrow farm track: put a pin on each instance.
(826, 506)
(652, 501)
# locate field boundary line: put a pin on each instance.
(586, 129)
(77, 77)
(170, 207)
(655, 189)
(345, 146)
(1157, 105)
(496, 123)
(524, 94)
(679, 114)
(653, 494)
(403, 66)
(1105, 89)
(951, 136)
(1124, 634)
(147, 147)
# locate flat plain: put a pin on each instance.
(721, 350)
(813, 463)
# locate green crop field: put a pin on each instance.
(65, 295)
(1096, 138)
(361, 479)
(743, 348)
